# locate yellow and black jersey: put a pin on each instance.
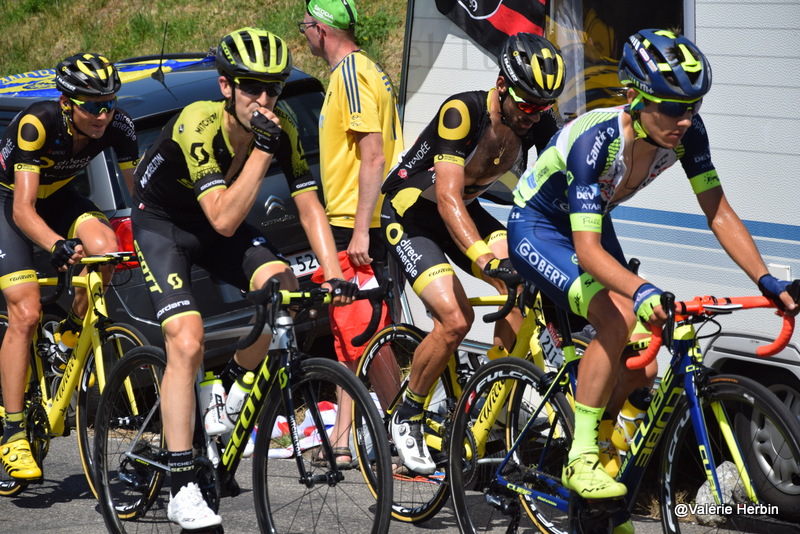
(40, 139)
(193, 154)
(452, 136)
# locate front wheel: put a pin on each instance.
(736, 410)
(129, 447)
(116, 340)
(312, 493)
(384, 367)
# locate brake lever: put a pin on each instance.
(668, 331)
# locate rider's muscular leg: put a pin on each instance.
(452, 317)
(23, 305)
(184, 341)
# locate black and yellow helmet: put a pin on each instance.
(254, 53)
(87, 74)
(533, 66)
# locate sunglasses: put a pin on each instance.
(675, 108)
(257, 87)
(303, 26)
(529, 108)
(96, 108)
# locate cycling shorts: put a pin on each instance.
(543, 253)
(419, 240)
(167, 252)
(61, 211)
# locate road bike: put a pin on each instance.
(296, 487)
(56, 400)
(384, 368)
(723, 433)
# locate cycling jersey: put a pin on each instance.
(193, 155)
(40, 139)
(570, 189)
(453, 136)
(360, 98)
(576, 176)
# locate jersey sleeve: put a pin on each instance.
(194, 133)
(456, 122)
(361, 80)
(125, 145)
(696, 157)
(291, 156)
(31, 137)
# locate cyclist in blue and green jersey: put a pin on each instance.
(561, 235)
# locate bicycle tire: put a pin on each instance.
(282, 503)
(481, 503)
(769, 438)
(130, 490)
(416, 498)
(117, 339)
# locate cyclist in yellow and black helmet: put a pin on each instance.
(43, 149)
(194, 188)
(431, 215)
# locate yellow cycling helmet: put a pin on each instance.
(254, 53)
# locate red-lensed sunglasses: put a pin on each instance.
(529, 108)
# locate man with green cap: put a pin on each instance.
(360, 136)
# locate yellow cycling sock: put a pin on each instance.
(587, 421)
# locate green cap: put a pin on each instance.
(340, 14)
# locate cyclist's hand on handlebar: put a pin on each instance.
(66, 252)
(503, 270)
(266, 130)
(776, 291)
(647, 305)
(343, 292)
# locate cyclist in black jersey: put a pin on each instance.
(431, 210)
(194, 187)
(41, 151)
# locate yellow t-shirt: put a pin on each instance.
(360, 98)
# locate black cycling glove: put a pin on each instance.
(267, 133)
(342, 288)
(62, 251)
(502, 269)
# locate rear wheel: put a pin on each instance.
(482, 499)
(768, 436)
(384, 368)
(116, 340)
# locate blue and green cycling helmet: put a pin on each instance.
(664, 65)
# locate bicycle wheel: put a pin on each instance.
(330, 499)
(129, 427)
(482, 501)
(384, 368)
(769, 440)
(116, 340)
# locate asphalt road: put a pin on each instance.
(63, 504)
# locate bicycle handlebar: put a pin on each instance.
(708, 306)
(271, 293)
(65, 277)
(511, 300)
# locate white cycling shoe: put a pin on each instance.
(411, 447)
(190, 511)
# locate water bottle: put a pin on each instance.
(212, 404)
(67, 339)
(630, 417)
(237, 395)
(609, 457)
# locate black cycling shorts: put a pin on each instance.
(60, 211)
(419, 240)
(167, 251)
